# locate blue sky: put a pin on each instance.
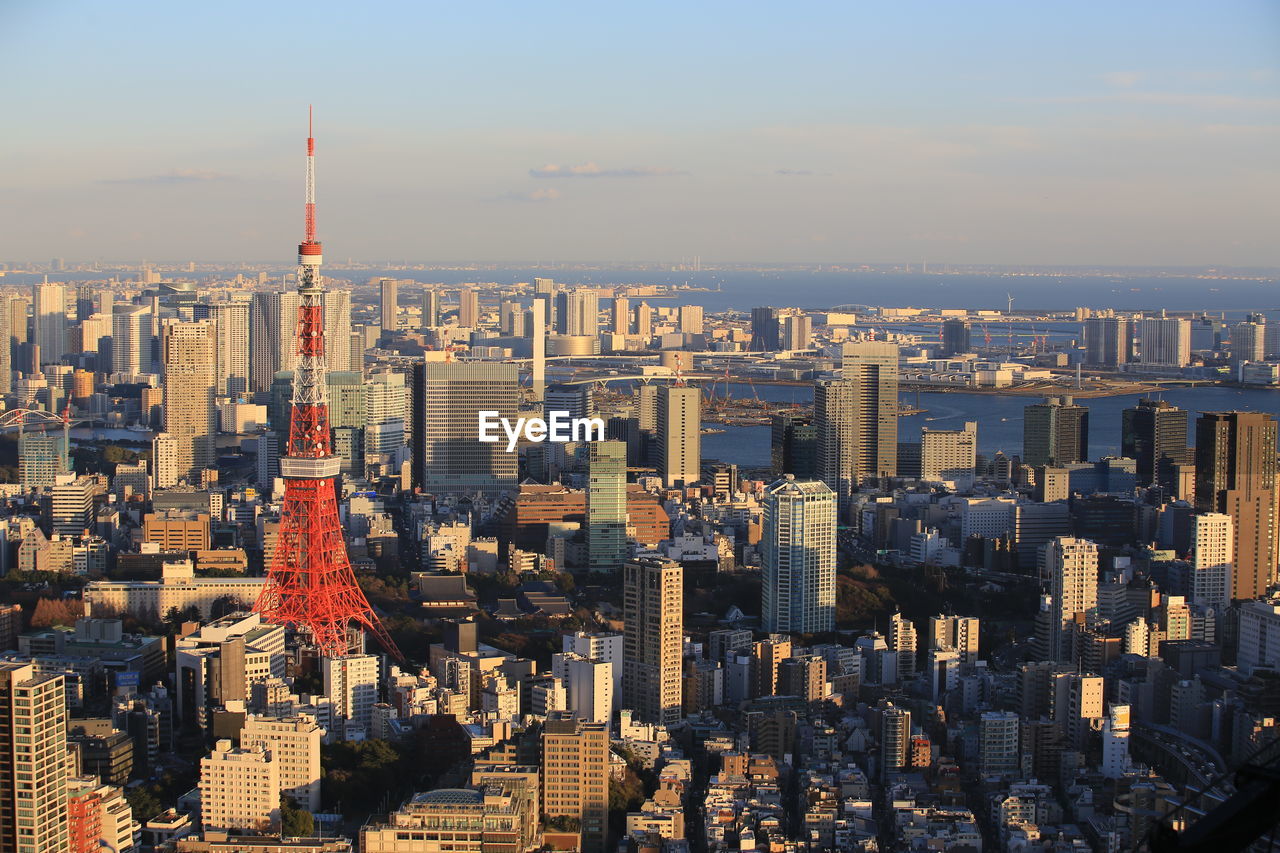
(977, 132)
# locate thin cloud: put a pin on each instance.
(543, 194)
(800, 173)
(1169, 99)
(175, 176)
(1123, 79)
(594, 170)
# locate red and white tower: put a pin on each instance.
(310, 585)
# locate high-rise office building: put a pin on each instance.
(955, 338)
(1165, 341)
(190, 414)
(764, 329)
(606, 505)
(797, 331)
(857, 418)
(679, 432)
(447, 400)
(620, 316)
(1055, 432)
(1236, 474)
(273, 323)
(577, 401)
(1154, 435)
(793, 446)
(1108, 341)
(575, 775)
(49, 319)
(798, 541)
(33, 760)
(430, 308)
(468, 308)
(1248, 343)
(131, 335)
(231, 349)
(388, 304)
(538, 345)
(386, 405)
(653, 633)
(1071, 566)
(949, 454)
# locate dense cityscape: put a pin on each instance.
(276, 582)
(713, 428)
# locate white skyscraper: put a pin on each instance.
(49, 312)
(1072, 568)
(1115, 742)
(294, 742)
(1212, 540)
(231, 355)
(799, 557)
(902, 639)
(273, 323)
(351, 683)
(1165, 341)
(588, 685)
(131, 339)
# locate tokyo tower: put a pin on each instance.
(310, 585)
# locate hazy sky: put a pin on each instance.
(970, 132)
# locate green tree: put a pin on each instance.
(295, 821)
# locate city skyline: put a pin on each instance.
(836, 135)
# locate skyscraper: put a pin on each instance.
(955, 338)
(1248, 343)
(1108, 341)
(1212, 555)
(388, 304)
(764, 329)
(187, 352)
(239, 789)
(273, 324)
(1236, 474)
(575, 775)
(231, 350)
(653, 608)
(386, 399)
(856, 418)
(895, 739)
(679, 434)
(447, 400)
(620, 317)
(798, 543)
(33, 760)
(577, 312)
(690, 319)
(606, 505)
(1072, 568)
(131, 339)
(796, 332)
(430, 308)
(644, 321)
(793, 446)
(49, 314)
(1154, 435)
(468, 308)
(1055, 432)
(1165, 341)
